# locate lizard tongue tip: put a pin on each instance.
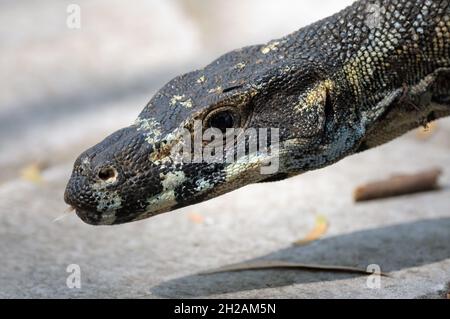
(66, 213)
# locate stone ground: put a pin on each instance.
(64, 90)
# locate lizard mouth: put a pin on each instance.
(87, 217)
(96, 218)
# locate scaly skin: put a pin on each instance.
(342, 85)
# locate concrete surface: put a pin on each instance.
(63, 90)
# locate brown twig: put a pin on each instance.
(399, 185)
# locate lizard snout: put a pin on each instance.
(111, 181)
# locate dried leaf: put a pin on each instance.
(318, 231)
(425, 132)
(274, 264)
(32, 173)
(196, 218)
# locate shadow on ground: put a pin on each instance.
(394, 248)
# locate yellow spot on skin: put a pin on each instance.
(109, 201)
(201, 79)
(145, 124)
(249, 164)
(187, 104)
(216, 90)
(171, 180)
(151, 129)
(181, 99)
(166, 198)
(175, 99)
(270, 47)
(314, 96)
(240, 66)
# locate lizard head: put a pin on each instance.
(247, 117)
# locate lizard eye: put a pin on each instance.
(223, 119)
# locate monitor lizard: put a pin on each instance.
(342, 85)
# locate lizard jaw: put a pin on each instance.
(96, 219)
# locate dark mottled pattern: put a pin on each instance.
(339, 86)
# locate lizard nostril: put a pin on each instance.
(108, 174)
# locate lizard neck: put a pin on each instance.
(394, 68)
(389, 62)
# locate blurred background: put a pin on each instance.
(63, 90)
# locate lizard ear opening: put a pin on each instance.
(313, 108)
